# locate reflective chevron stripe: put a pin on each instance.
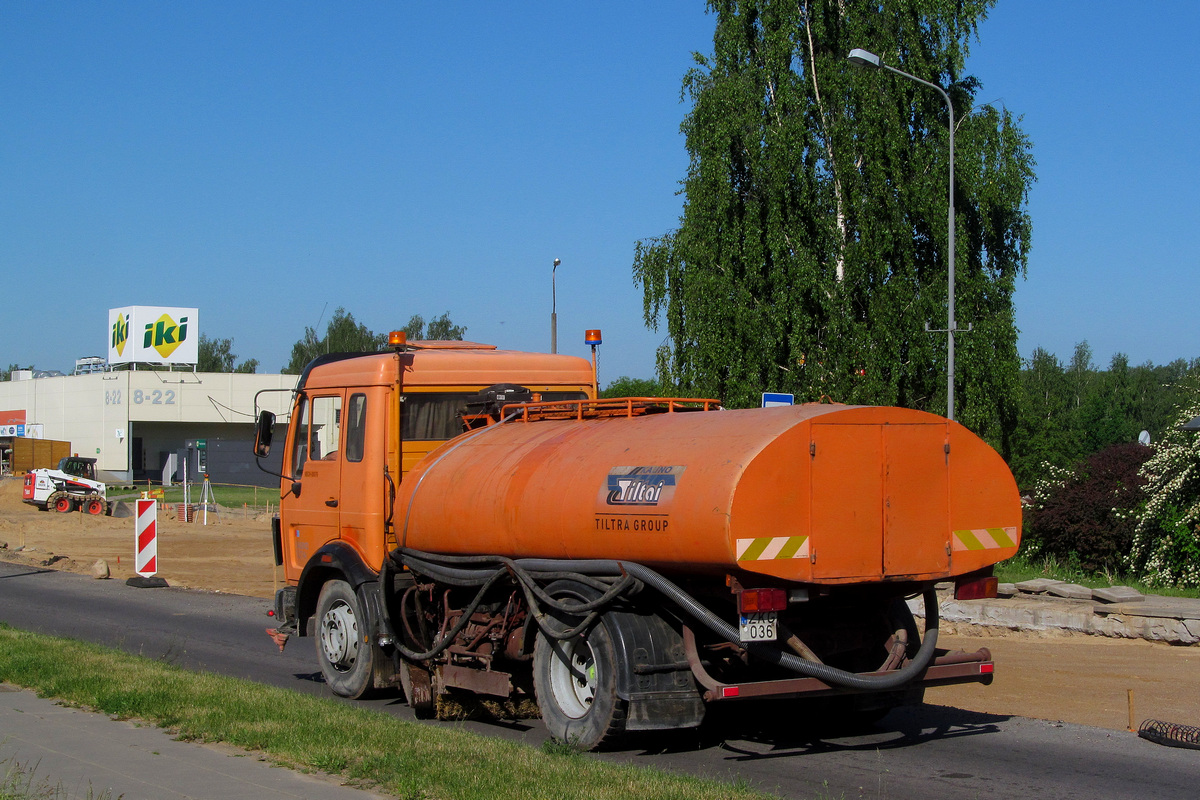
(984, 539)
(768, 548)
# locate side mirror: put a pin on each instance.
(262, 434)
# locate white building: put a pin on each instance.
(132, 420)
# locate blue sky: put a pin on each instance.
(269, 162)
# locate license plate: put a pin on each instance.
(759, 626)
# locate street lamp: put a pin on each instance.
(864, 58)
(553, 310)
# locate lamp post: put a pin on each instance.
(863, 58)
(553, 310)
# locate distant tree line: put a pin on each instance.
(1069, 411)
(345, 335)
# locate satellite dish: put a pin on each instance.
(1144, 438)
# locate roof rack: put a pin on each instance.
(610, 407)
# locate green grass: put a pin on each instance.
(1023, 568)
(405, 759)
(21, 782)
(235, 497)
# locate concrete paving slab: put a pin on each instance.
(1153, 607)
(1037, 585)
(1155, 618)
(85, 754)
(1070, 590)
(1118, 594)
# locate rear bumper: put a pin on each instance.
(948, 667)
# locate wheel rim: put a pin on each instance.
(63, 504)
(573, 678)
(339, 636)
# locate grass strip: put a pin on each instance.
(407, 759)
(1023, 568)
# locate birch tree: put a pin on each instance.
(812, 251)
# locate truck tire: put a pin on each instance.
(64, 504)
(344, 649)
(575, 682)
(94, 506)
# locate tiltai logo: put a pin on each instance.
(120, 333)
(640, 486)
(164, 335)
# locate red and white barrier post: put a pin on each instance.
(145, 561)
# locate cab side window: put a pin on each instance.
(326, 428)
(300, 424)
(317, 429)
(356, 427)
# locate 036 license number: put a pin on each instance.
(759, 626)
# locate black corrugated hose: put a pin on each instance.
(630, 575)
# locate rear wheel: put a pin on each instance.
(343, 644)
(64, 504)
(576, 685)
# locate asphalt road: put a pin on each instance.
(928, 753)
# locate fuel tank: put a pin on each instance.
(820, 493)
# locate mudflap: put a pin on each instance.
(285, 608)
(654, 675)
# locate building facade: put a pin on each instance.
(132, 421)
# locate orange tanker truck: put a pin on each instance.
(460, 521)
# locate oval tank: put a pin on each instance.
(816, 493)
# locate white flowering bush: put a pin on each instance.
(1166, 547)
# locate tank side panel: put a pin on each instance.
(654, 489)
(771, 532)
(985, 506)
(838, 495)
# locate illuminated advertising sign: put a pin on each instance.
(153, 334)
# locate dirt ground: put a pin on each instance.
(232, 553)
(1065, 677)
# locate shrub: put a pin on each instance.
(1088, 513)
(1165, 550)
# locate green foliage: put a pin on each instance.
(1166, 548)
(216, 355)
(1070, 411)
(438, 329)
(1025, 566)
(343, 335)
(812, 250)
(625, 386)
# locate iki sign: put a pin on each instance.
(153, 334)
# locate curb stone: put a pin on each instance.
(1154, 618)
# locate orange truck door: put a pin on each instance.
(880, 500)
(916, 503)
(364, 485)
(312, 519)
(847, 501)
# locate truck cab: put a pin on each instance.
(360, 422)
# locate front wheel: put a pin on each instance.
(576, 685)
(343, 643)
(94, 506)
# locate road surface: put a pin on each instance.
(929, 753)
